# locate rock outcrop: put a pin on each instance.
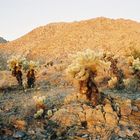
(114, 117)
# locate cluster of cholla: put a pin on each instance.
(40, 105)
(83, 60)
(39, 101)
(16, 61)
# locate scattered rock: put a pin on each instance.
(124, 121)
(135, 108)
(85, 136)
(19, 134)
(111, 119)
(129, 132)
(122, 134)
(78, 119)
(66, 118)
(126, 108)
(134, 119)
(107, 108)
(31, 132)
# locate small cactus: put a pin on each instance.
(39, 113)
(49, 113)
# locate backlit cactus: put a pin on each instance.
(83, 60)
(15, 61)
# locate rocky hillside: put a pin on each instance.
(54, 109)
(2, 40)
(56, 40)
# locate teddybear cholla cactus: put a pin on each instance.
(83, 68)
(86, 59)
(15, 65)
(15, 61)
(27, 65)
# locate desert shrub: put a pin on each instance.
(50, 63)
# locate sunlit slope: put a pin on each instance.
(56, 40)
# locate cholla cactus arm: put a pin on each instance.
(73, 69)
(82, 75)
(33, 65)
(112, 82)
(130, 60)
(25, 65)
(12, 62)
(39, 113)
